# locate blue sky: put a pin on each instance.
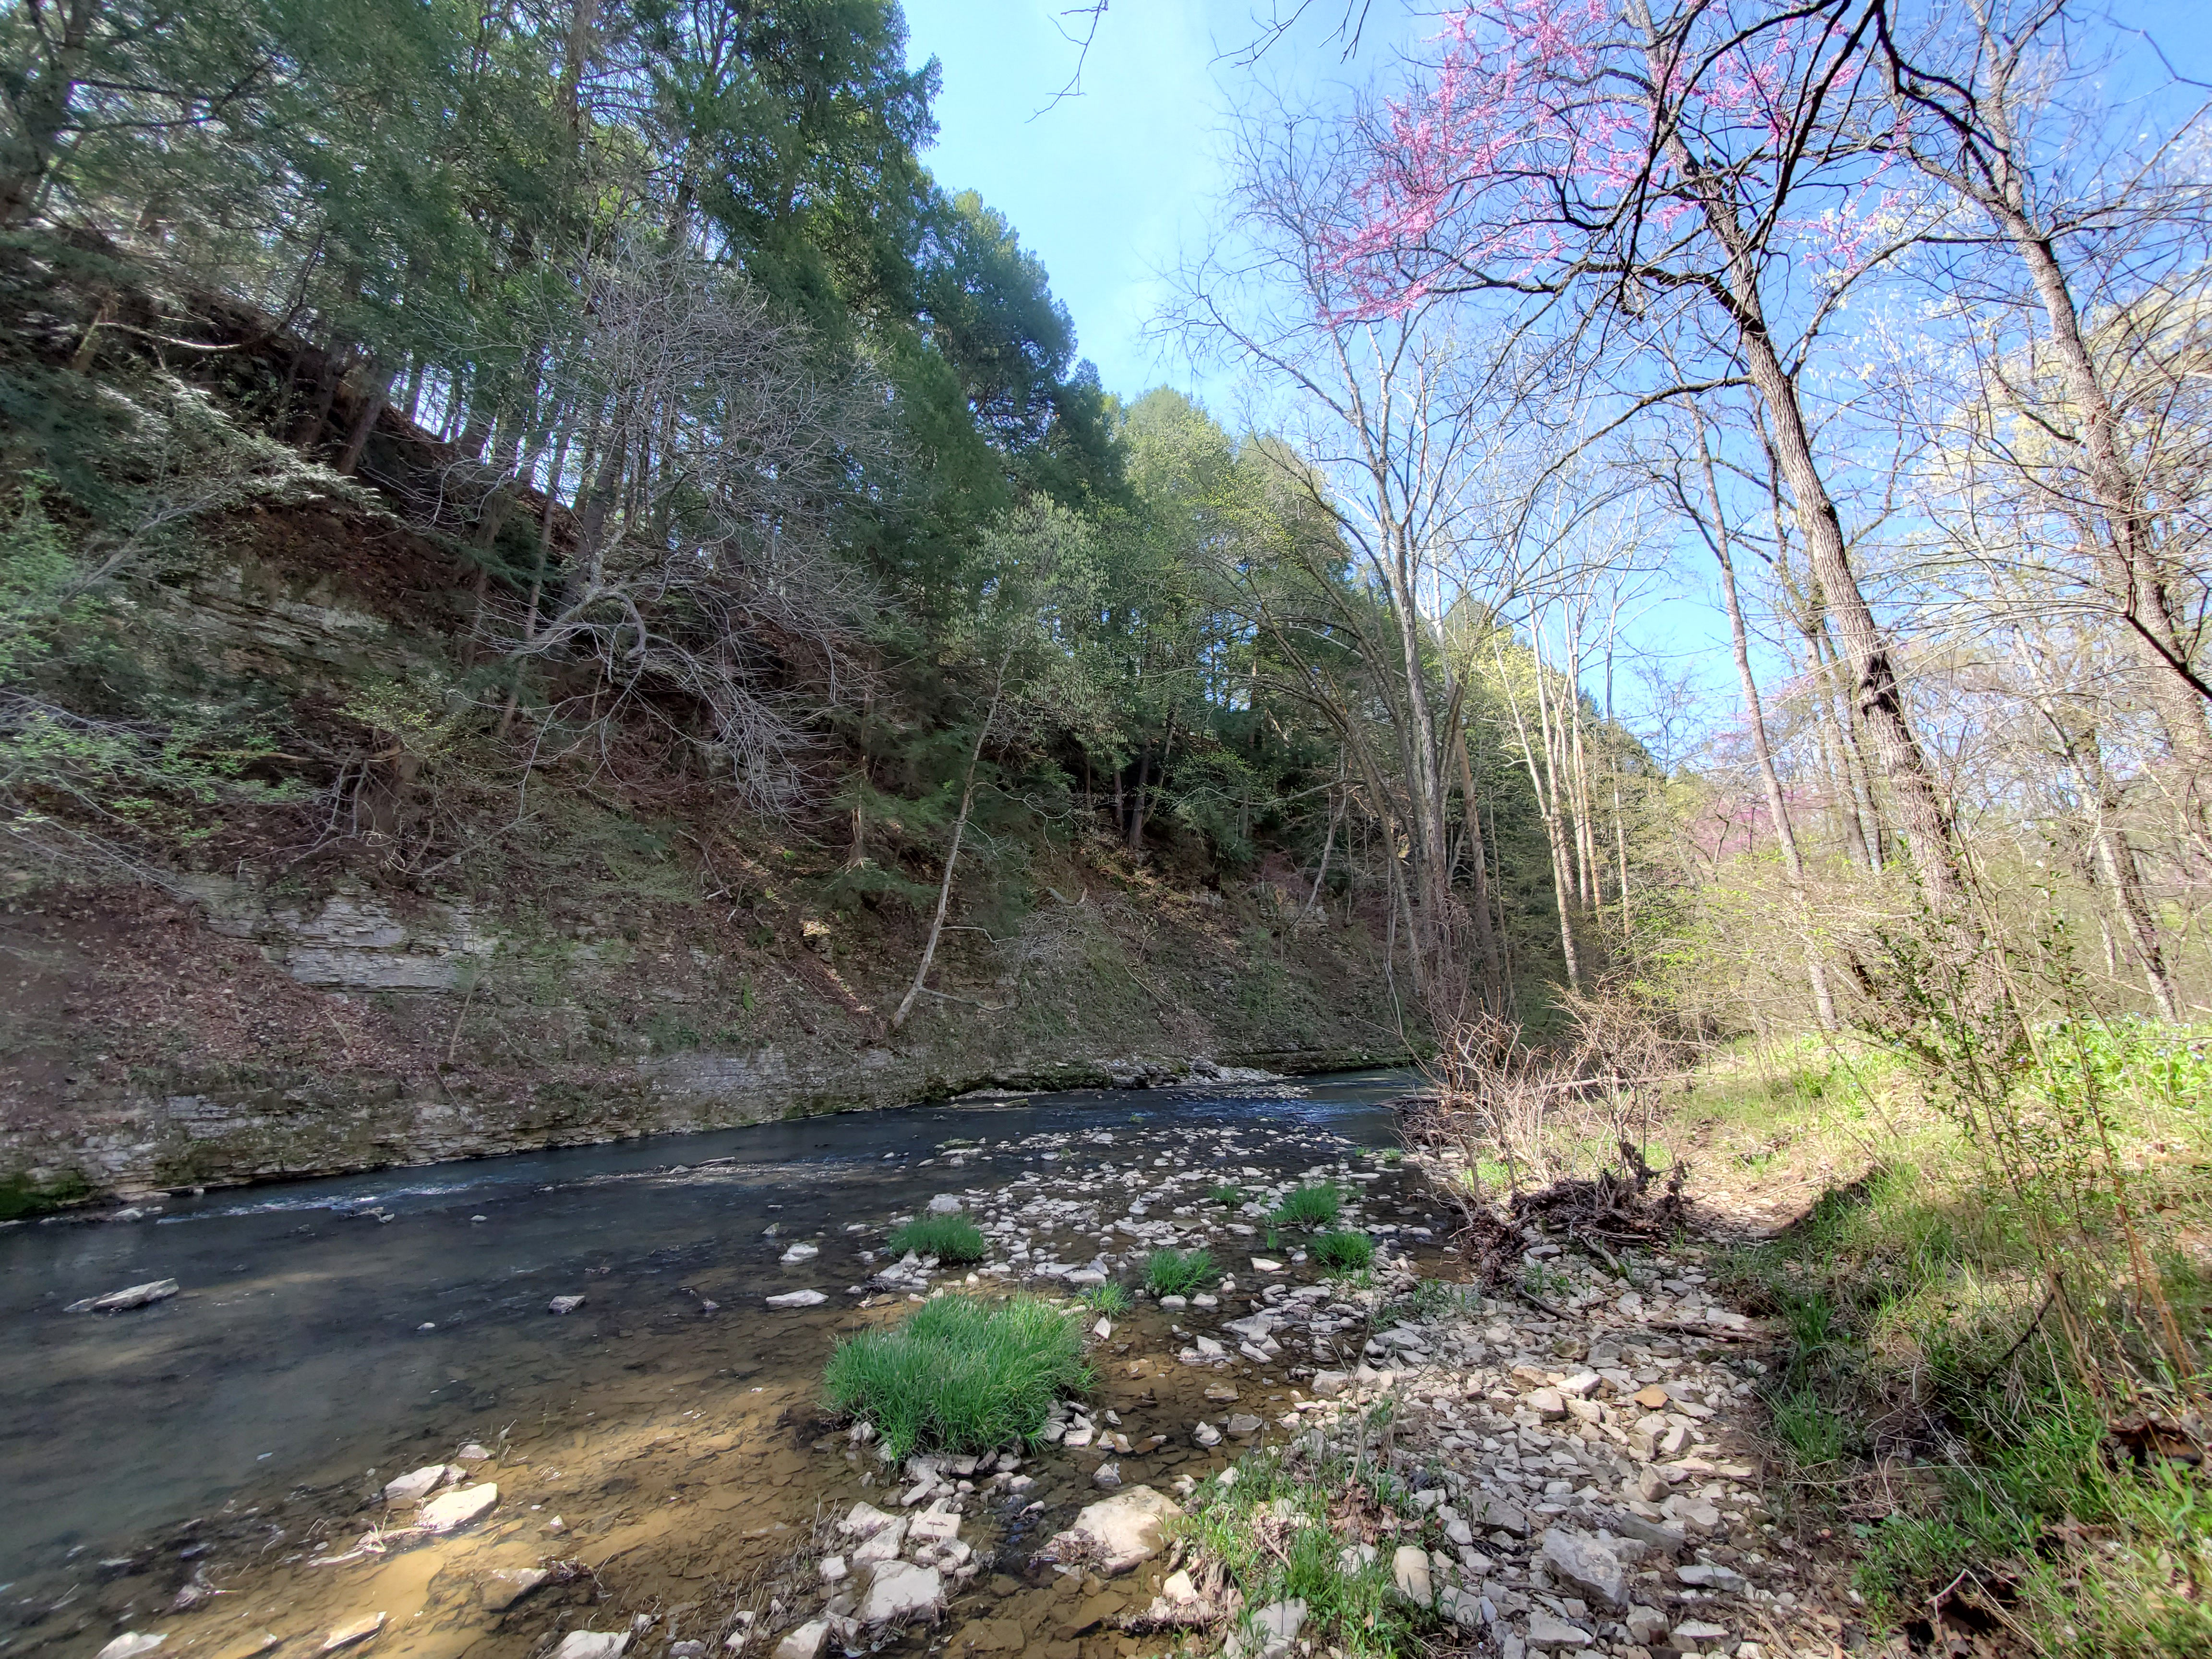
(1109, 188)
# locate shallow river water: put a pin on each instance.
(189, 1469)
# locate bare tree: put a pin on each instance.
(1392, 453)
(1621, 177)
(2081, 252)
(721, 451)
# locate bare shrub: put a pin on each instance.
(725, 450)
(1555, 1129)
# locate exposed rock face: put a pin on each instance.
(340, 1010)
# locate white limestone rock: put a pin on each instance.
(463, 1506)
(1119, 1531)
(899, 1592)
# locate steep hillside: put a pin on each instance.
(289, 891)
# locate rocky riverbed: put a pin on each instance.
(1579, 1476)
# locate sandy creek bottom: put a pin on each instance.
(178, 1470)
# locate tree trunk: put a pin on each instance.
(1486, 925)
(1879, 695)
(952, 853)
(41, 106)
(1136, 821)
(1777, 804)
(1548, 809)
(1876, 687)
(373, 397)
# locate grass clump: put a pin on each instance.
(1345, 1250)
(1110, 1298)
(1177, 1272)
(959, 1374)
(1308, 1206)
(948, 1238)
(1227, 1193)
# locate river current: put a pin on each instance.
(330, 1334)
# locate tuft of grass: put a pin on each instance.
(1177, 1272)
(1227, 1193)
(1308, 1206)
(1434, 1298)
(950, 1238)
(1345, 1250)
(1110, 1298)
(1815, 1435)
(959, 1374)
(1540, 1279)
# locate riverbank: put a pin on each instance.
(254, 1033)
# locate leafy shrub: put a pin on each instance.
(959, 1374)
(1345, 1250)
(1177, 1272)
(1308, 1206)
(950, 1238)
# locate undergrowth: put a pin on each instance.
(959, 1374)
(1988, 1358)
(1285, 1530)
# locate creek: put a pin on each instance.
(181, 1467)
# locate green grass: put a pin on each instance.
(1358, 1612)
(19, 1196)
(1346, 1250)
(959, 1374)
(1435, 1298)
(1308, 1206)
(1111, 1298)
(1227, 1193)
(1177, 1272)
(950, 1238)
(1540, 1279)
(1908, 1301)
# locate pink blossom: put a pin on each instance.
(1549, 132)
